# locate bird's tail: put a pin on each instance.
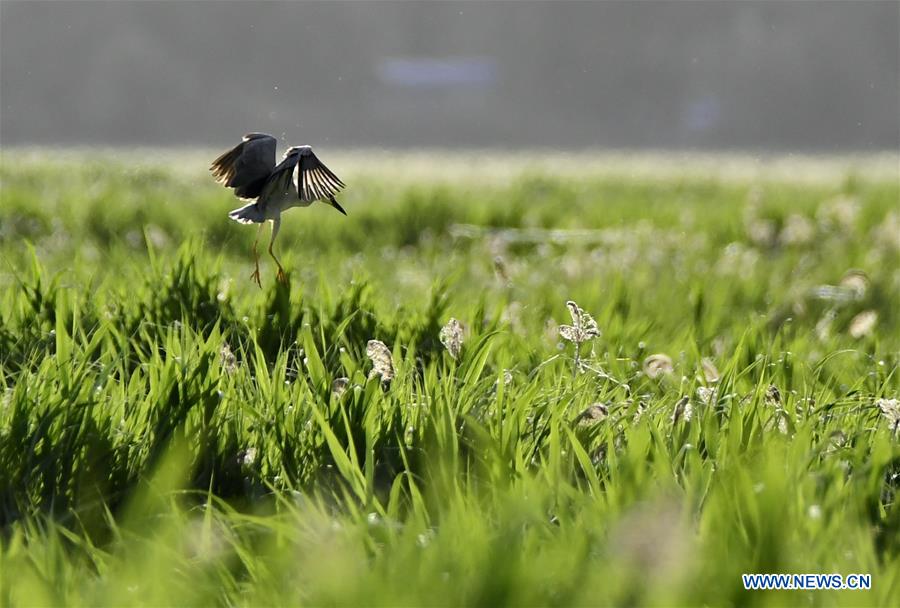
(335, 204)
(248, 214)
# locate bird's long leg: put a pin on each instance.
(276, 224)
(255, 275)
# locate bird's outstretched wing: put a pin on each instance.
(247, 166)
(313, 180)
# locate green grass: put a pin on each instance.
(169, 434)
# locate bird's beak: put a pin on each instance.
(335, 204)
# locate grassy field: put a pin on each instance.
(172, 435)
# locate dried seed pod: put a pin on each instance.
(593, 414)
(339, 385)
(583, 327)
(890, 409)
(683, 410)
(863, 324)
(856, 281)
(773, 396)
(227, 358)
(710, 371)
(451, 337)
(658, 364)
(706, 395)
(797, 230)
(382, 361)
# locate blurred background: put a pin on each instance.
(795, 76)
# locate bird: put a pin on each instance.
(299, 180)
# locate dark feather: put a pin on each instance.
(335, 204)
(314, 181)
(247, 166)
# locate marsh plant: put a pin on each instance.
(382, 362)
(582, 330)
(171, 435)
(451, 337)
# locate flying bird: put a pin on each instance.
(299, 180)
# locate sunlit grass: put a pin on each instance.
(170, 434)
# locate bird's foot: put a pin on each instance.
(281, 276)
(255, 278)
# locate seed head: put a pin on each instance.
(782, 422)
(452, 337)
(227, 358)
(887, 234)
(890, 409)
(506, 380)
(583, 327)
(862, 324)
(773, 396)
(248, 457)
(797, 230)
(339, 385)
(706, 395)
(658, 364)
(839, 213)
(593, 414)
(710, 371)
(762, 232)
(639, 411)
(773, 399)
(836, 441)
(823, 326)
(382, 361)
(682, 411)
(737, 259)
(856, 281)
